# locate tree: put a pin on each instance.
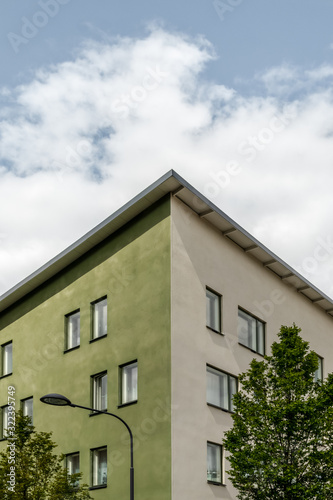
(29, 469)
(281, 442)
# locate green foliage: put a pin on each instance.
(281, 442)
(39, 473)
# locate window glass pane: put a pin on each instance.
(27, 408)
(251, 332)
(261, 345)
(213, 313)
(243, 327)
(99, 467)
(100, 392)
(213, 387)
(233, 390)
(224, 391)
(104, 395)
(214, 469)
(73, 463)
(100, 318)
(73, 330)
(220, 388)
(130, 383)
(7, 359)
(318, 375)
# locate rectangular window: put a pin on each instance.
(214, 463)
(213, 310)
(251, 332)
(129, 383)
(73, 464)
(4, 421)
(27, 408)
(7, 359)
(72, 323)
(99, 391)
(99, 467)
(99, 318)
(220, 388)
(318, 375)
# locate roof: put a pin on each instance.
(172, 183)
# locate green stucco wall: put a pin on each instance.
(132, 268)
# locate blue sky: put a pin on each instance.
(248, 36)
(99, 99)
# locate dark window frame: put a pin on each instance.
(258, 321)
(321, 374)
(219, 296)
(103, 485)
(93, 379)
(66, 465)
(2, 436)
(22, 401)
(92, 318)
(3, 375)
(211, 481)
(229, 375)
(120, 374)
(66, 317)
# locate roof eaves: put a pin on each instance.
(171, 182)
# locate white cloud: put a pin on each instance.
(320, 73)
(85, 136)
(280, 79)
(287, 80)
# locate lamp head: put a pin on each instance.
(56, 400)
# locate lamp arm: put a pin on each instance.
(112, 415)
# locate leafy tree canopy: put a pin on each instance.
(281, 442)
(29, 469)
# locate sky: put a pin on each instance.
(100, 99)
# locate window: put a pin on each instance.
(251, 332)
(27, 408)
(213, 310)
(99, 318)
(99, 391)
(73, 464)
(318, 375)
(129, 383)
(72, 330)
(214, 463)
(7, 358)
(220, 388)
(99, 467)
(4, 421)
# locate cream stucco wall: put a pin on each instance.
(202, 256)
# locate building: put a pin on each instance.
(152, 315)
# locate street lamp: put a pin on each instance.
(60, 400)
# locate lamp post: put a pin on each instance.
(60, 400)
